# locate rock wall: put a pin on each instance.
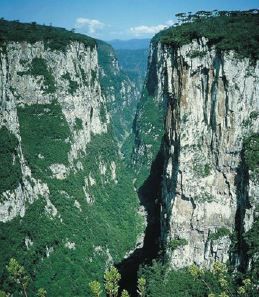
(30, 74)
(210, 102)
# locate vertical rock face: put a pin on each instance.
(30, 75)
(210, 101)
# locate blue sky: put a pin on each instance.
(112, 19)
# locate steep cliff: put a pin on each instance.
(67, 202)
(36, 86)
(122, 95)
(211, 111)
(199, 109)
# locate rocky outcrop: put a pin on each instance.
(30, 74)
(210, 102)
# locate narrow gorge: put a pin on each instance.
(96, 171)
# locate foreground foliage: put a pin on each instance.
(196, 282)
(18, 275)
(111, 285)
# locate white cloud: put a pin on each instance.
(170, 23)
(91, 25)
(139, 30)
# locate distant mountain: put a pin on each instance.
(131, 44)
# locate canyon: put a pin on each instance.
(96, 171)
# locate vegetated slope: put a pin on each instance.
(132, 55)
(134, 63)
(201, 90)
(68, 208)
(121, 93)
(53, 37)
(226, 30)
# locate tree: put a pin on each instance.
(225, 282)
(181, 17)
(112, 278)
(3, 294)
(141, 287)
(18, 275)
(246, 288)
(95, 288)
(42, 292)
(125, 293)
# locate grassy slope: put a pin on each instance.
(10, 169)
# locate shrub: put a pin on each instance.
(251, 152)
(254, 115)
(196, 53)
(73, 85)
(202, 170)
(221, 232)
(39, 67)
(78, 124)
(204, 197)
(176, 243)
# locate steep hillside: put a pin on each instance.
(122, 95)
(134, 63)
(199, 110)
(67, 203)
(132, 56)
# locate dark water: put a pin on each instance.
(150, 197)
